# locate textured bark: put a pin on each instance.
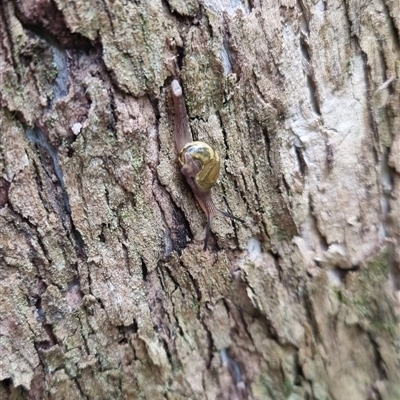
(105, 291)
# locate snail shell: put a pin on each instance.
(207, 160)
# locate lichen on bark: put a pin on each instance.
(106, 292)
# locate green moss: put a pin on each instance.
(196, 305)
(53, 120)
(366, 294)
(265, 383)
(51, 73)
(287, 387)
(137, 160)
(349, 68)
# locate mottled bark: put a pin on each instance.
(105, 290)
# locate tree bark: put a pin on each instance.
(106, 292)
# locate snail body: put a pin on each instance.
(200, 163)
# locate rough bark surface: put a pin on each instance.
(105, 291)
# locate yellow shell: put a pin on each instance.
(209, 160)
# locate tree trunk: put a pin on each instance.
(106, 292)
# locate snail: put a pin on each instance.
(200, 163)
